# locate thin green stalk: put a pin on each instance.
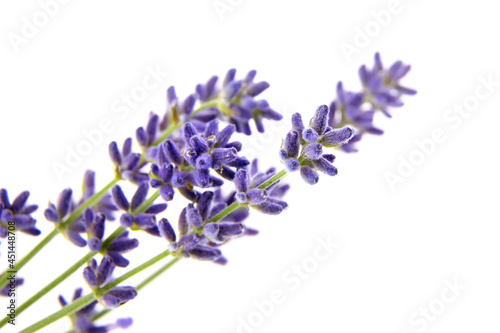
(142, 284)
(280, 175)
(92, 200)
(174, 127)
(83, 301)
(28, 257)
(75, 214)
(65, 311)
(142, 208)
(50, 286)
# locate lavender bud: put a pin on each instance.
(126, 220)
(319, 122)
(337, 136)
(256, 88)
(224, 155)
(310, 135)
(205, 253)
(329, 157)
(123, 245)
(114, 153)
(105, 270)
(256, 196)
(119, 198)
(193, 216)
(151, 127)
(89, 277)
(222, 138)
(183, 224)
(141, 136)
(63, 202)
(291, 144)
(310, 176)
(231, 229)
(241, 180)
(292, 165)
(189, 242)
(166, 230)
(204, 161)
(198, 144)
(167, 192)
(172, 152)
(190, 155)
(313, 151)
(297, 124)
(139, 196)
(325, 166)
(211, 230)
(75, 238)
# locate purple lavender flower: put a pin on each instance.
(212, 149)
(236, 100)
(303, 147)
(183, 111)
(382, 86)
(381, 90)
(118, 246)
(82, 322)
(127, 164)
(97, 276)
(17, 211)
(131, 219)
(105, 205)
(57, 213)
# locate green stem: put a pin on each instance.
(143, 207)
(86, 300)
(74, 215)
(92, 200)
(28, 257)
(280, 175)
(174, 127)
(65, 311)
(141, 285)
(50, 286)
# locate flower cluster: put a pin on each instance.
(236, 100)
(381, 90)
(97, 276)
(191, 150)
(17, 211)
(303, 147)
(82, 322)
(73, 227)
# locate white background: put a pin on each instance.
(398, 247)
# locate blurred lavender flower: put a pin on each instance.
(183, 111)
(105, 205)
(81, 320)
(17, 211)
(382, 87)
(236, 100)
(381, 91)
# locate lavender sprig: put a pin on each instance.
(185, 148)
